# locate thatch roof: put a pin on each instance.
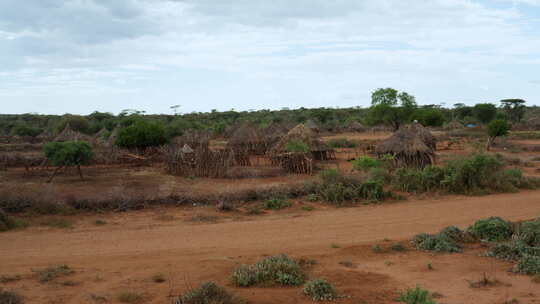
(186, 149)
(246, 134)
(194, 139)
(453, 125)
(310, 124)
(112, 138)
(355, 126)
(303, 134)
(424, 134)
(68, 134)
(409, 147)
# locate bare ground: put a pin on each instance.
(125, 253)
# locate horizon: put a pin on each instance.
(86, 56)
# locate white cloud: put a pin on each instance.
(258, 54)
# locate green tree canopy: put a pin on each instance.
(26, 130)
(68, 153)
(514, 109)
(484, 112)
(142, 134)
(76, 123)
(497, 128)
(386, 110)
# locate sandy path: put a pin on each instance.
(264, 236)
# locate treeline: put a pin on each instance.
(389, 107)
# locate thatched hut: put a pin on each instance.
(453, 125)
(310, 124)
(194, 139)
(411, 146)
(303, 135)
(247, 139)
(68, 134)
(355, 126)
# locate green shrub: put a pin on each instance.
(320, 290)
(511, 251)
(276, 204)
(209, 293)
(470, 174)
(416, 296)
(338, 189)
(279, 269)
(529, 232)
(341, 143)
(53, 272)
(419, 180)
(10, 297)
(453, 233)
(493, 229)
(528, 264)
(69, 153)
(8, 223)
(26, 130)
(437, 243)
(296, 145)
(142, 134)
(364, 163)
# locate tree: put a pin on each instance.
(514, 109)
(385, 109)
(429, 117)
(484, 112)
(496, 128)
(69, 153)
(26, 130)
(142, 134)
(76, 123)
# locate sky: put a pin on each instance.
(79, 56)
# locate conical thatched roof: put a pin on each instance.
(310, 124)
(355, 126)
(68, 134)
(112, 138)
(303, 134)
(408, 146)
(194, 139)
(453, 125)
(246, 134)
(186, 149)
(424, 134)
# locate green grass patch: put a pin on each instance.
(275, 270)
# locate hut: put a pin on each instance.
(302, 136)
(310, 124)
(411, 146)
(355, 126)
(68, 134)
(247, 139)
(453, 125)
(193, 139)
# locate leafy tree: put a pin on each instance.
(496, 128)
(514, 109)
(69, 153)
(386, 110)
(431, 117)
(484, 112)
(76, 122)
(142, 134)
(26, 130)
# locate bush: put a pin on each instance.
(279, 269)
(416, 296)
(69, 153)
(453, 233)
(529, 232)
(470, 174)
(341, 143)
(53, 272)
(437, 243)
(296, 145)
(364, 163)
(320, 290)
(9, 223)
(493, 229)
(528, 264)
(209, 293)
(512, 251)
(276, 204)
(10, 297)
(419, 180)
(338, 189)
(142, 134)
(25, 130)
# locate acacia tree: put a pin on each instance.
(142, 134)
(389, 107)
(485, 112)
(514, 109)
(66, 154)
(496, 128)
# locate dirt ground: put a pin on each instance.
(131, 247)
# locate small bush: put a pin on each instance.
(159, 278)
(9, 278)
(416, 296)
(397, 247)
(320, 290)
(58, 223)
(130, 297)
(53, 272)
(308, 208)
(209, 293)
(100, 222)
(511, 251)
(10, 297)
(276, 204)
(339, 189)
(365, 163)
(493, 229)
(341, 143)
(437, 243)
(69, 153)
(528, 264)
(8, 223)
(279, 269)
(142, 134)
(529, 232)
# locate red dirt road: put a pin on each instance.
(124, 254)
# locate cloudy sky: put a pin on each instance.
(77, 56)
